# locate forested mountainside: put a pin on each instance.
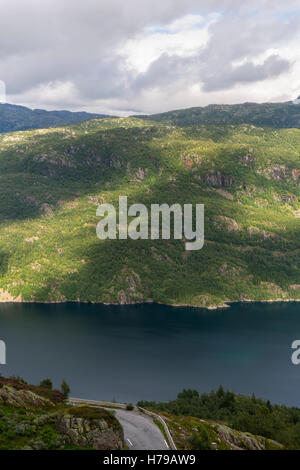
(52, 181)
(16, 118)
(281, 115)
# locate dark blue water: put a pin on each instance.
(153, 352)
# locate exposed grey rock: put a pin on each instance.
(216, 178)
(22, 398)
(95, 433)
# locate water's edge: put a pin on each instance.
(151, 351)
(222, 306)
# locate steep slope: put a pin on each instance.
(16, 118)
(281, 115)
(53, 180)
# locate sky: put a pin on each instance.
(148, 56)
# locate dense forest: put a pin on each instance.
(53, 180)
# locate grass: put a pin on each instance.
(162, 429)
(90, 412)
(53, 180)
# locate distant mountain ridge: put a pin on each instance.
(280, 115)
(19, 118)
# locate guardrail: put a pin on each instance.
(155, 415)
(123, 406)
(97, 403)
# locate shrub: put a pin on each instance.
(200, 441)
(46, 383)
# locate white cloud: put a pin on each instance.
(148, 55)
(182, 38)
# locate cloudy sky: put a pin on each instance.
(146, 56)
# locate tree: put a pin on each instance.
(200, 440)
(46, 383)
(188, 395)
(65, 389)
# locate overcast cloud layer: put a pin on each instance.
(146, 56)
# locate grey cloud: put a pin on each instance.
(60, 40)
(246, 73)
(232, 40)
(78, 41)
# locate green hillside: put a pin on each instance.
(51, 182)
(17, 118)
(281, 115)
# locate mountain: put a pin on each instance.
(280, 115)
(16, 118)
(52, 181)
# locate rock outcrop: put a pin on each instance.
(216, 178)
(97, 433)
(22, 398)
(238, 440)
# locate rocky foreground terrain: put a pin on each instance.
(35, 418)
(29, 420)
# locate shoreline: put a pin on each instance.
(225, 305)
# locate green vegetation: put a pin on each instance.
(200, 440)
(28, 429)
(53, 180)
(89, 412)
(46, 383)
(278, 115)
(190, 433)
(35, 420)
(18, 383)
(162, 429)
(16, 118)
(239, 412)
(65, 389)
(30, 420)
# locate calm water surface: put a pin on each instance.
(152, 351)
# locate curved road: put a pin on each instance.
(140, 431)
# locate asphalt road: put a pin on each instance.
(140, 432)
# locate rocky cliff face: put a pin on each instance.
(95, 433)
